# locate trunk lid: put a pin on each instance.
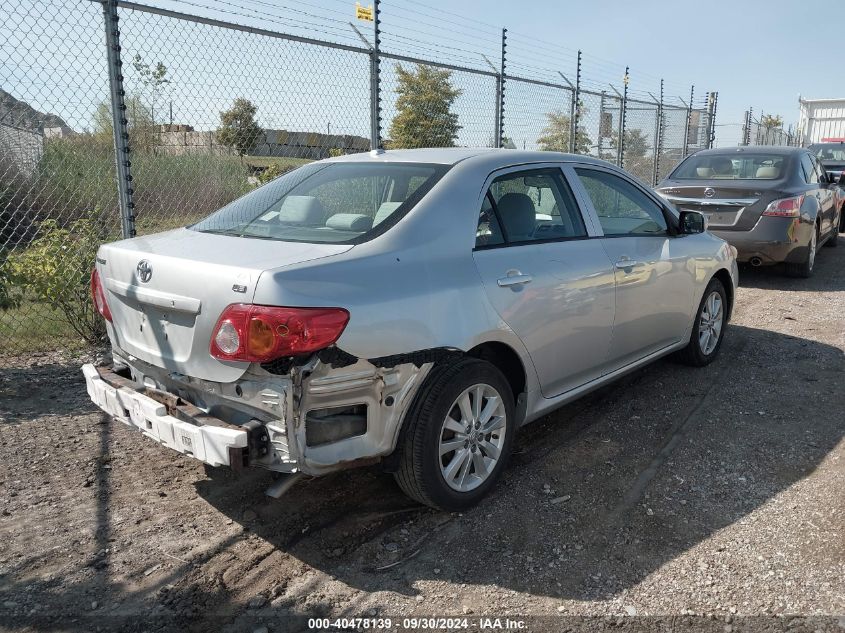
(728, 206)
(166, 292)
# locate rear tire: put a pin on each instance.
(804, 269)
(710, 321)
(446, 460)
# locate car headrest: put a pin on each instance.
(703, 172)
(768, 171)
(350, 222)
(384, 211)
(518, 215)
(722, 166)
(306, 210)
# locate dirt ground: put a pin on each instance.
(699, 496)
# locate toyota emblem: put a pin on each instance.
(145, 270)
(709, 192)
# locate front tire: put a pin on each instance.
(709, 327)
(459, 438)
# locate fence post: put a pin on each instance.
(711, 136)
(500, 114)
(623, 119)
(689, 121)
(658, 138)
(118, 117)
(375, 80)
(601, 115)
(575, 113)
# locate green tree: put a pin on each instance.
(154, 82)
(424, 116)
(636, 143)
(238, 128)
(137, 114)
(771, 121)
(555, 136)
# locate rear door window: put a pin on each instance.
(529, 206)
(808, 169)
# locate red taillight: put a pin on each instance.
(99, 296)
(246, 332)
(785, 207)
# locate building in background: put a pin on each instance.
(821, 120)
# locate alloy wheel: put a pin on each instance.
(710, 323)
(472, 437)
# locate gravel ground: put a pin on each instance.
(711, 496)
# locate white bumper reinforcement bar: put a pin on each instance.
(190, 431)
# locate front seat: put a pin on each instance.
(518, 216)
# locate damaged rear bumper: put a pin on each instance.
(170, 421)
(314, 418)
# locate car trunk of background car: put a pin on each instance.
(167, 291)
(728, 206)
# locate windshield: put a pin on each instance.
(758, 166)
(327, 203)
(833, 151)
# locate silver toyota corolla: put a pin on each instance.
(410, 307)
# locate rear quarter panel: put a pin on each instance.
(413, 288)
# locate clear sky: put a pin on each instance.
(755, 53)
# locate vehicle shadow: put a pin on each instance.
(598, 495)
(614, 511)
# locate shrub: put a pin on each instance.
(55, 268)
(7, 298)
(273, 171)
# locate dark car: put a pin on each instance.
(832, 157)
(773, 204)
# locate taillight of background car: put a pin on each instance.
(255, 333)
(785, 207)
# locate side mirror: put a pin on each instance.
(826, 179)
(692, 222)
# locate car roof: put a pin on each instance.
(777, 150)
(454, 155)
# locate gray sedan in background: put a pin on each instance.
(776, 205)
(410, 307)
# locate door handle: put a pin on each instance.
(513, 278)
(625, 262)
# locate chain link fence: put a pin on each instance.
(766, 132)
(120, 118)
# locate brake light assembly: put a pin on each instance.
(98, 294)
(785, 207)
(258, 333)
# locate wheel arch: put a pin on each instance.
(727, 283)
(504, 358)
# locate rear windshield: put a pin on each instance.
(327, 203)
(743, 166)
(834, 152)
